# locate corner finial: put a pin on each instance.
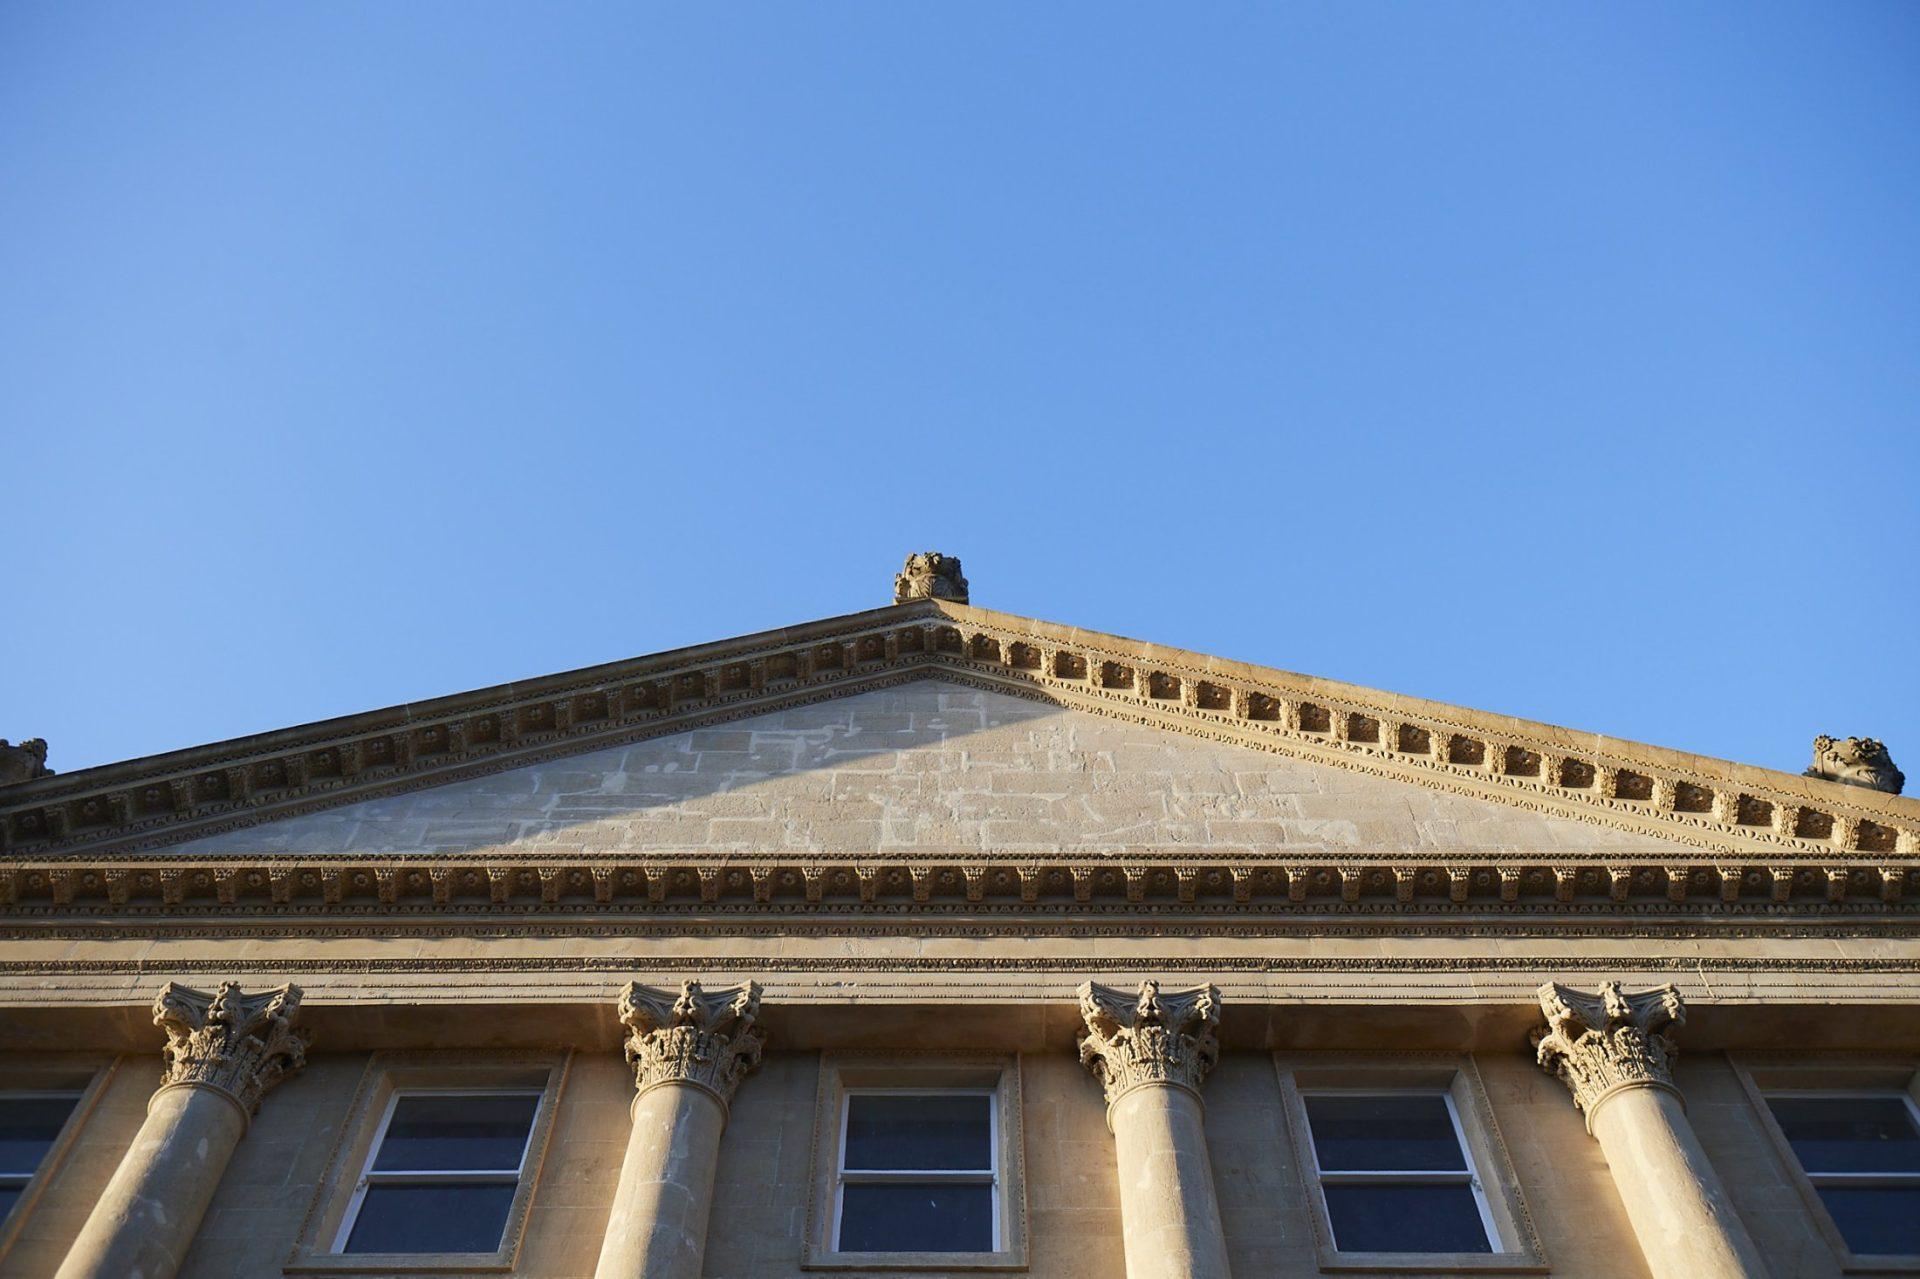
(28, 760)
(1854, 761)
(930, 576)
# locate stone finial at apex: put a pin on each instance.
(28, 760)
(930, 575)
(1855, 761)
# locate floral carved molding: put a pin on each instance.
(148, 803)
(346, 888)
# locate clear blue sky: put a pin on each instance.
(1561, 361)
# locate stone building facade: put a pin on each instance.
(932, 940)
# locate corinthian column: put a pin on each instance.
(688, 1052)
(1150, 1051)
(224, 1052)
(1613, 1052)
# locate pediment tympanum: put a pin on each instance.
(925, 769)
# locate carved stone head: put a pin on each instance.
(930, 576)
(24, 762)
(1857, 761)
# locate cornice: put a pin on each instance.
(1686, 799)
(349, 887)
(1069, 966)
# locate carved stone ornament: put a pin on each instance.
(930, 576)
(28, 760)
(1599, 1044)
(238, 1044)
(1152, 1037)
(707, 1039)
(1855, 761)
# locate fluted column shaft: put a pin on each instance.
(224, 1052)
(689, 1053)
(1613, 1052)
(1151, 1052)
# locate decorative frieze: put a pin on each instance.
(237, 1044)
(1148, 882)
(1133, 1039)
(1601, 1043)
(706, 1039)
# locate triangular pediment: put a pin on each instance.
(1342, 767)
(925, 768)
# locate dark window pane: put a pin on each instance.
(1849, 1134)
(1406, 1219)
(908, 1218)
(431, 1218)
(1405, 1133)
(9, 1196)
(28, 1126)
(893, 1131)
(456, 1134)
(1876, 1219)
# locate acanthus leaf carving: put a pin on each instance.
(1134, 1039)
(238, 1044)
(1601, 1043)
(707, 1039)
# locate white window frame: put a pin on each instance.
(1842, 1074)
(24, 1179)
(369, 1177)
(1510, 1230)
(362, 1129)
(989, 1176)
(1469, 1176)
(923, 1073)
(1909, 1180)
(83, 1076)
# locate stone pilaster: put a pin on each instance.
(1151, 1051)
(1615, 1055)
(689, 1053)
(224, 1052)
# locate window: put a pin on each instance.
(1861, 1152)
(436, 1165)
(443, 1173)
(917, 1164)
(917, 1172)
(1394, 1173)
(30, 1122)
(1402, 1165)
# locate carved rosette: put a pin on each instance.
(236, 1044)
(1133, 1040)
(704, 1038)
(1600, 1044)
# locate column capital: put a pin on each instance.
(236, 1044)
(1600, 1044)
(704, 1038)
(1149, 1037)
